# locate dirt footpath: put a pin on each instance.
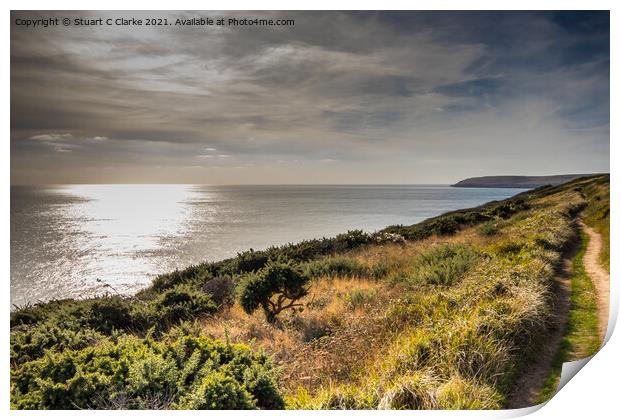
(527, 388)
(599, 276)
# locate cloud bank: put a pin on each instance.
(340, 97)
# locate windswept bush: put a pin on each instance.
(275, 288)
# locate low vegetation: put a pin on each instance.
(580, 336)
(596, 214)
(442, 314)
(188, 372)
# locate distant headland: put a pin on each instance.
(516, 181)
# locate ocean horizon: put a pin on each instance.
(80, 240)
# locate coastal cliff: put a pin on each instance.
(517, 181)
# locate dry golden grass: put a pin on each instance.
(331, 341)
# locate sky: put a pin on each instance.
(338, 98)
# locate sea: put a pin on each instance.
(76, 241)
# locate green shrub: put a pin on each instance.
(189, 372)
(112, 313)
(182, 303)
(507, 208)
(488, 229)
(26, 315)
(353, 239)
(31, 343)
(275, 288)
(192, 274)
(446, 224)
(248, 261)
(221, 289)
(217, 392)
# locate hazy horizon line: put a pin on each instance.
(299, 184)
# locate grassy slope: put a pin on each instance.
(596, 214)
(436, 315)
(458, 343)
(580, 337)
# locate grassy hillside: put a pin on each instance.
(597, 214)
(442, 314)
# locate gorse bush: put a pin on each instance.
(78, 323)
(249, 261)
(221, 289)
(252, 260)
(274, 288)
(31, 343)
(104, 314)
(187, 373)
(450, 223)
(342, 266)
(183, 303)
(113, 313)
(195, 274)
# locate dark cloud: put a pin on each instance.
(476, 87)
(384, 90)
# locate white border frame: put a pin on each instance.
(591, 395)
